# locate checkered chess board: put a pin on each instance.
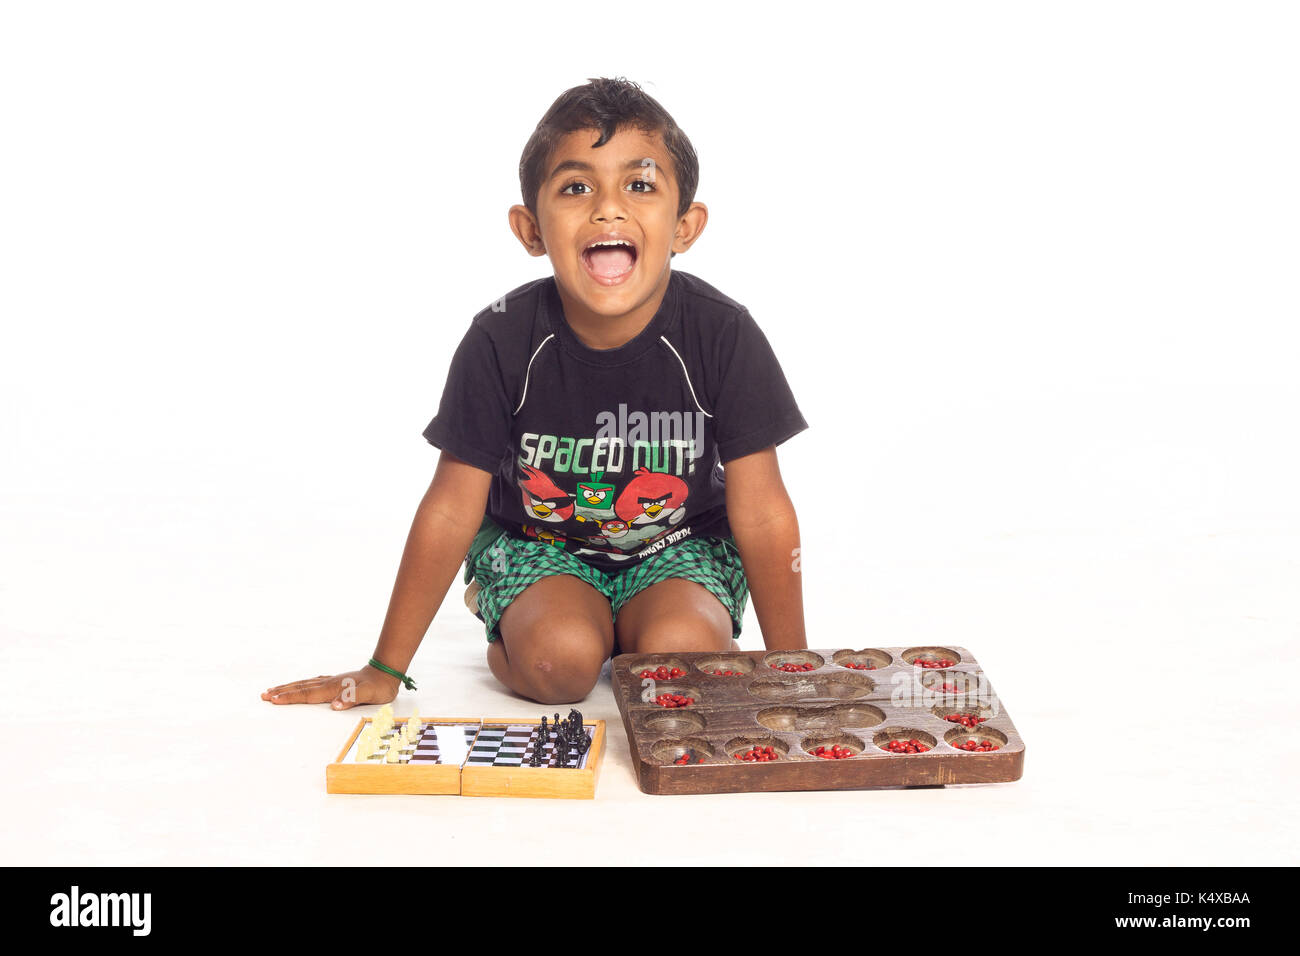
(438, 743)
(513, 746)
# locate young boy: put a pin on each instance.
(584, 427)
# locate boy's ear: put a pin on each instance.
(690, 226)
(525, 227)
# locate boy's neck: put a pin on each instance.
(603, 332)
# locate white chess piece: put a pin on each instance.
(366, 744)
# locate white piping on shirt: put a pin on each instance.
(688, 376)
(524, 396)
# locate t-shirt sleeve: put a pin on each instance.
(754, 407)
(474, 416)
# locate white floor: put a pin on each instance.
(1151, 679)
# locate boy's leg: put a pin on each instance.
(555, 637)
(690, 597)
(673, 615)
(548, 624)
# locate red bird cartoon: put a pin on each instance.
(648, 495)
(543, 498)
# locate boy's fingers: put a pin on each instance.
(298, 684)
(281, 688)
(287, 697)
(295, 697)
(315, 693)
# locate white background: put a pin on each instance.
(1030, 269)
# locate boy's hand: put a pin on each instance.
(342, 691)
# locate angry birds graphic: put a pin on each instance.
(544, 534)
(598, 517)
(652, 498)
(596, 496)
(613, 529)
(543, 499)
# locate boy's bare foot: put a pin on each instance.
(341, 691)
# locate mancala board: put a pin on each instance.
(882, 717)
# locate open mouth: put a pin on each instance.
(610, 259)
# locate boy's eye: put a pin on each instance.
(566, 189)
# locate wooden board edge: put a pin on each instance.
(528, 782)
(356, 732)
(435, 780)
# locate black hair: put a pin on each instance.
(607, 104)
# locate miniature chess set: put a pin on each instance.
(813, 720)
(559, 758)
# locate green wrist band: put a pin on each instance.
(409, 684)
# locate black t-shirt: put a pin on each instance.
(612, 454)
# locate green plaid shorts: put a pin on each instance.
(504, 566)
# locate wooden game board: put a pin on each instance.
(471, 757)
(833, 704)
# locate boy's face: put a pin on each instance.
(626, 189)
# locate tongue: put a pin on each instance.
(609, 261)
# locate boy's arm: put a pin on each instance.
(766, 530)
(445, 524)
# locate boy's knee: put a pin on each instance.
(678, 643)
(560, 680)
(561, 668)
(685, 633)
(567, 688)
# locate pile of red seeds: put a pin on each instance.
(836, 752)
(757, 752)
(674, 700)
(948, 688)
(726, 673)
(926, 662)
(790, 668)
(663, 673)
(860, 667)
(912, 746)
(966, 720)
(685, 758)
(983, 747)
